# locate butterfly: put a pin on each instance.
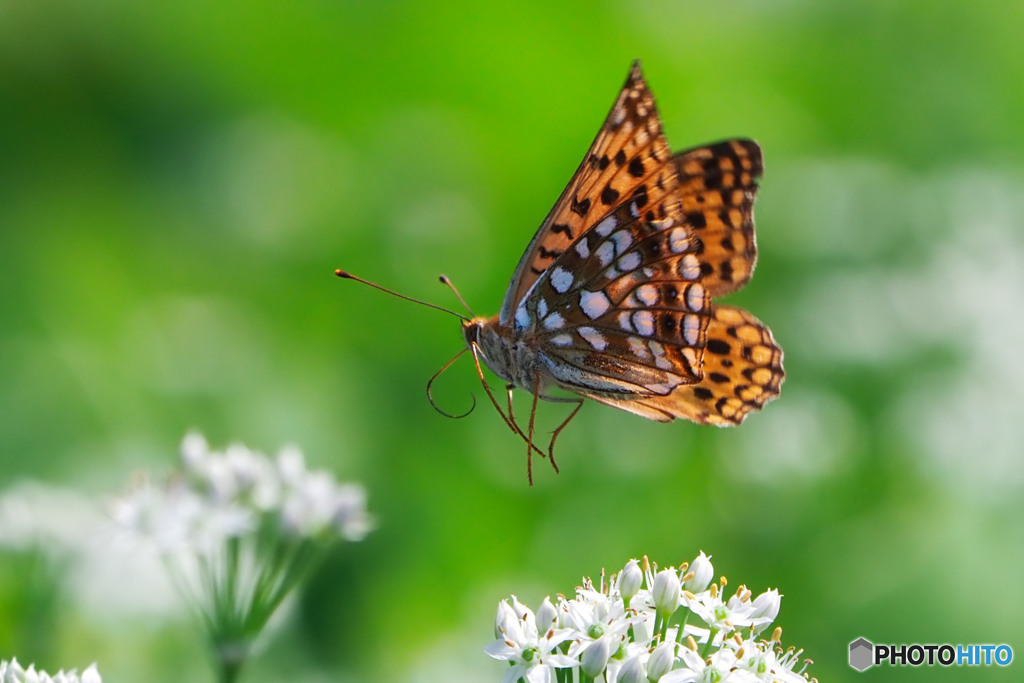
(613, 299)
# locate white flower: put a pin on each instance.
(238, 531)
(720, 666)
(12, 672)
(547, 615)
(532, 653)
(764, 609)
(231, 494)
(720, 616)
(609, 641)
(768, 664)
(595, 658)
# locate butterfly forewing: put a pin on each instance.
(625, 304)
(630, 151)
(615, 291)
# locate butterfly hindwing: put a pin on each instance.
(742, 372)
(717, 186)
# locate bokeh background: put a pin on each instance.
(178, 182)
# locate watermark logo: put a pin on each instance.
(864, 654)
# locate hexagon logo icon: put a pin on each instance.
(862, 654)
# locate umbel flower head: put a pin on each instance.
(238, 531)
(12, 672)
(646, 626)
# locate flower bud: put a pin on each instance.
(765, 608)
(632, 671)
(666, 592)
(703, 573)
(661, 661)
(547, 616)
(505, 619)
(629, 581)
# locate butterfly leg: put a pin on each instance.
(529, 439)
(510, 418)
(554, 435)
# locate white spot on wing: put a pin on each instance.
(622, 240)
(594, 338)
(659, 355)
(561, 279)
(691, 329)
(643, 321)
(633, 210)
(678, 240)
(542, 308)
(605, 253)
(695, 297)
(561, 340)
(553, 322)
(689, 267)
(638, 348)
(583, 248)
(647, 294)
(630, 261)
(624, 322)
(594, 304)
(522, 317)
(605, 227)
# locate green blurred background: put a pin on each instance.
(178, 182)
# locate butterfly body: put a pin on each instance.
(510, 355)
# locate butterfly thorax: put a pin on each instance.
(505, 352)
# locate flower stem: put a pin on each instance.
(230, 671)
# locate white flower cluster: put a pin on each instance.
(636, 629)
(224, 495)
(11, 672)
(238, 533)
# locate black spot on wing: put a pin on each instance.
(636, 167)
(609, 195)
(719, 347)
(580, 208)
(563, 228)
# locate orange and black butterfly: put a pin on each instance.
(613, 299)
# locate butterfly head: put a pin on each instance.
(484, 336)
(474, 330)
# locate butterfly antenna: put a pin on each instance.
(430, 396)
(349, 276)
(445, 281)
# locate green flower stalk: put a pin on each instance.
(238, 532)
